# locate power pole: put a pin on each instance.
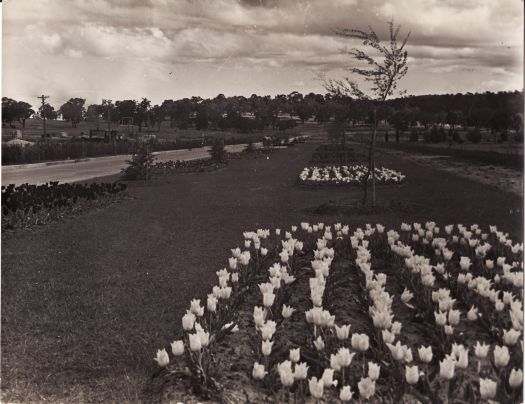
(43, 98)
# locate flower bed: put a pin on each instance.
(342, 175)
(335, 154)
(27, 205)
(186, 166)
(325, 313)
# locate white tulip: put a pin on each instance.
(177, 347)
(487, 388)
(515, 378)
(258, 371)
(162, 358)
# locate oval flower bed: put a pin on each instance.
(328, 314)
(341, 175)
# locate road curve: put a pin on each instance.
(94, 167)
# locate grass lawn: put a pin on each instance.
(86, 302)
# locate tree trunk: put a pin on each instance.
(372, 153)
(371, 166)
(397, 135)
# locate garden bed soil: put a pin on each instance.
(347, 299)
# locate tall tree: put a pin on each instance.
(73, 111)
(23, 112)
(48, 112)
(13, 110)
(142, 112)
(383, 75)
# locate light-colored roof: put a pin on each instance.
(18, 142)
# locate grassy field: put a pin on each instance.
(86, 302)
(34, 129)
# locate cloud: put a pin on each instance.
(274, 37)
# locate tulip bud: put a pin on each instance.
(342, 332)
(373, 371)
(268, 299)
(177, 347)
(345, 394)
(188, 320)
(396, 327)
(316, 387)
(510, 337)
(472, 314)
(268, 329)
(287, 311)
(411, 374)
(300, 371)
(285, 373)
(264, 251)
(367, 387)
(454, 317)
(295, 355)
(195, 342)
(501, 356)
(360, 342)
(446, 369)
(162, 358)
(344, 357)
(388, 337)
(211, 303)
(266, 348)
(425, 354)
(487, 388)
(462, 360)
(481, 350)
(515, 378)
(334, 362)
(319, 343)
(328, 378)
(441, 319)
(258, 371)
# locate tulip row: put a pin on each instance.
(355, 174)
(417, 273)
(451, 269)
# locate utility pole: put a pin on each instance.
(43, 98)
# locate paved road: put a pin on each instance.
(95, 167)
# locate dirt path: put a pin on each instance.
(506, 179)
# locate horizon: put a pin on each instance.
(56, 107)
(128, 50)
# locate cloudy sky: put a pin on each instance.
(162, 49)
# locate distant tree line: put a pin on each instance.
(496, 111)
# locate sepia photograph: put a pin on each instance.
(262, 201)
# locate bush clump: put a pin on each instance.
(139, 167)
(474, 136)
(217, 152)
(435, 135)
(456, 138)
(414, 136)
